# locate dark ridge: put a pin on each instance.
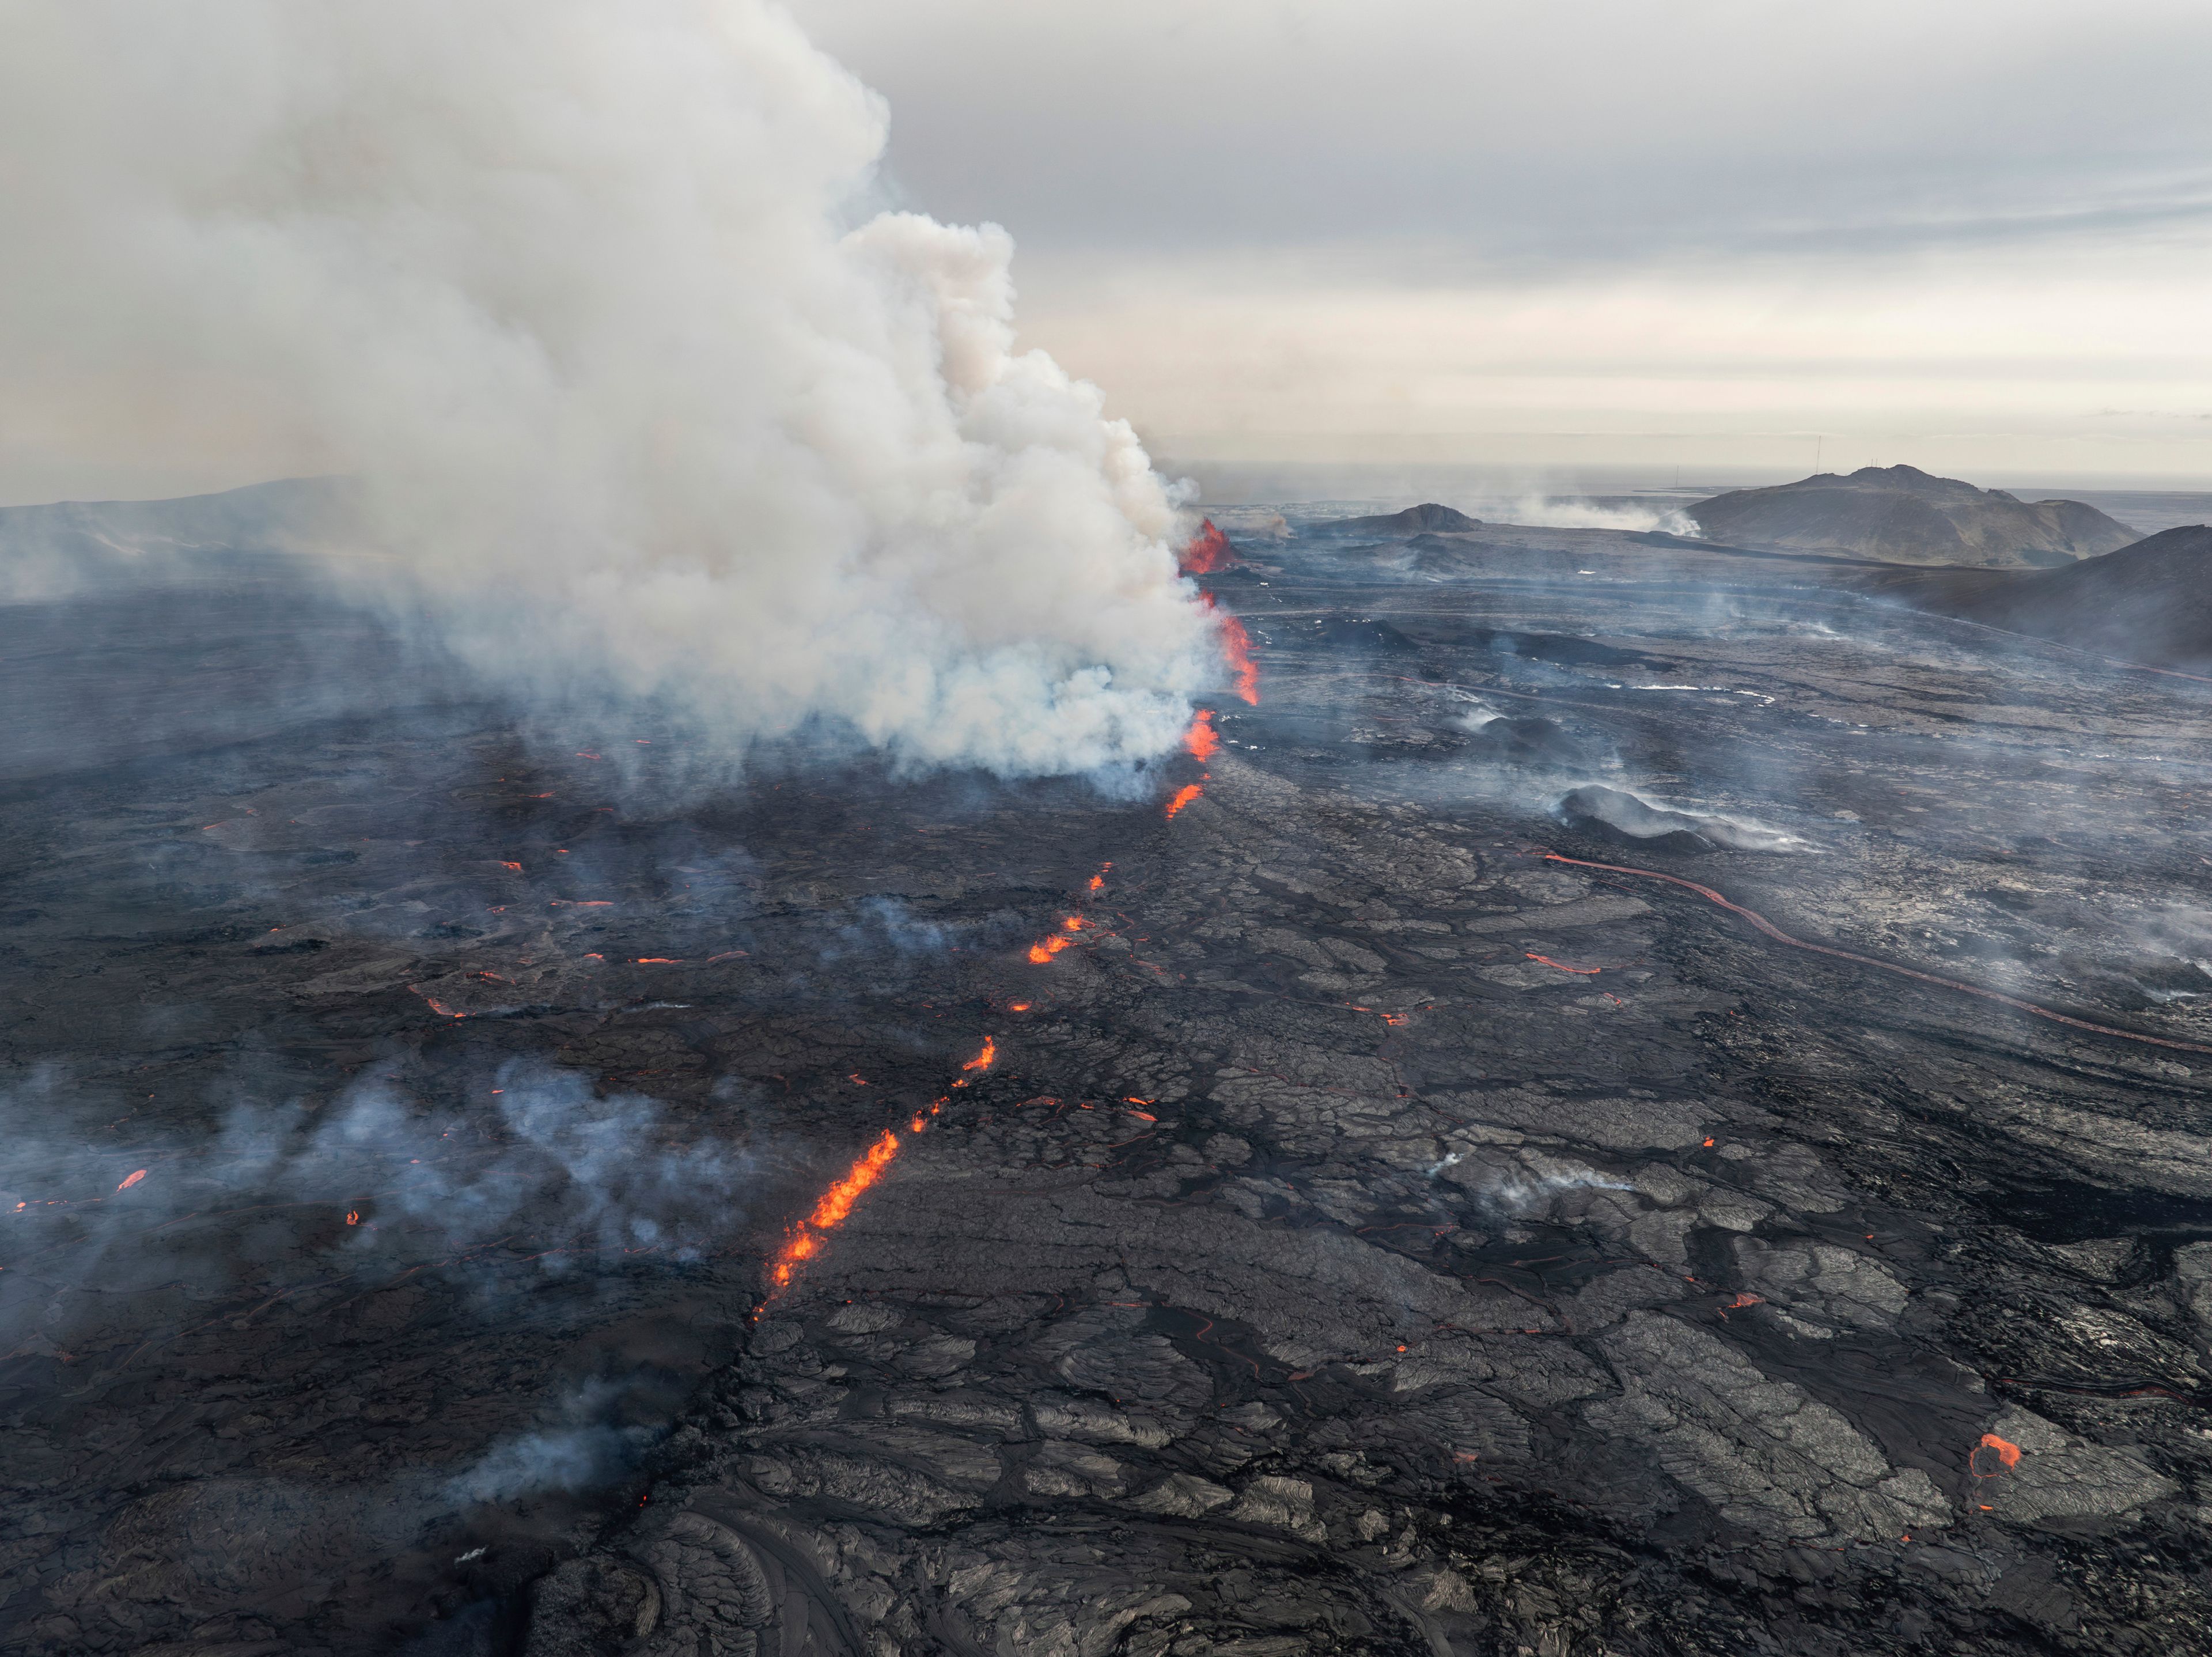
(2146, 603)
(1900, 514)
(1426, 518)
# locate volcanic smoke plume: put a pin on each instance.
(639, 394)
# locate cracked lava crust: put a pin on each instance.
(1337, 1202)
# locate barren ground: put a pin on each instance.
(1370, 1234)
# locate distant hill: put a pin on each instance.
(1428, 518)
(2150, 602)
(1900, 514)
(48, 552)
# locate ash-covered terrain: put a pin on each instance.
(1637, 1100)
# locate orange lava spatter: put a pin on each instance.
(1183, 796)
(2007, 1452)
(803, 1241)
(1236, 645)
(1209, 550)
(1200, 741)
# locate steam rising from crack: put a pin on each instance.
(640, 406)
(370, 1182)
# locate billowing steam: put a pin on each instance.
(637, 396)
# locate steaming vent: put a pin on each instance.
(1629, 819)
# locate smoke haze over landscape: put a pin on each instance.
(643, 394)
(700, 959)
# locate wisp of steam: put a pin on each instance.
(637, 394)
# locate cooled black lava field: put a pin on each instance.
(480, 1184)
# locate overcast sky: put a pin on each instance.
(1969, 234)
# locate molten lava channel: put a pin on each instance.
(805, 1239)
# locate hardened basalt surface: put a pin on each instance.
(1370, 1234)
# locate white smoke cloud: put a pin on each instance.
(577, 291)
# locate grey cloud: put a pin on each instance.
(1593, 130)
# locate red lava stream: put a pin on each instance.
(1964, 988)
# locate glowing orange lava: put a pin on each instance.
(982, 1061)
(1097, 882)
(1200, 740)
(1045, 948)
(1580, 972)
(353, 1216)
(1209, 550)
(1236, 645)
(131, 1180)
(2007, 1452)
(1183, 796)
(435, 1005)
(804, 1242)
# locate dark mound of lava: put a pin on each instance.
(1626, 819)
(1530, 742)
(2145, 603)
(1426, 518)
(1900, 514)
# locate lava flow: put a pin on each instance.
(1183, 796)
(1580, 972)
(1201, 741)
